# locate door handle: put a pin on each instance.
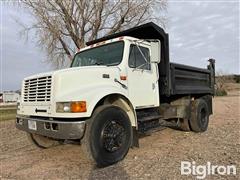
(153, 86)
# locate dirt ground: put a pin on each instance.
(159, 155)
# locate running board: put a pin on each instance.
(149, 118)
(153, 124)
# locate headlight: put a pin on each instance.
(18, 105)
(74, 107)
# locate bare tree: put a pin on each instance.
(63, 26)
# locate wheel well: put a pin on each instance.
(206, 97)
(122, 102)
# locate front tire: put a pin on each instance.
(42, 141)
(108, 135)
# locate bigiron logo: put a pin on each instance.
(201, 171)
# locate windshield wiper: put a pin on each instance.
(98, 63)
(112, 64)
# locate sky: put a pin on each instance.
(198, 30)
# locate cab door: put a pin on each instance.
(142, 77)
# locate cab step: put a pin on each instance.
(155, 124)
(149, 118)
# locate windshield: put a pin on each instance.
(108, 55)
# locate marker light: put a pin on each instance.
(123, 78)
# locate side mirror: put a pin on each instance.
(155, 51)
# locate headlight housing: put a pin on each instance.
(71, 107)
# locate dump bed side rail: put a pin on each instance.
(192, 80)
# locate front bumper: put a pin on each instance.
(52, 128)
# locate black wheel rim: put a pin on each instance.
(113, 136)
(203, 115)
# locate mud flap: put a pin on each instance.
(135, 140)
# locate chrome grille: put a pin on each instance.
(37, 89)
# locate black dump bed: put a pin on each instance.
(191, 80)
(174, 79)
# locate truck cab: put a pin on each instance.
(122, 66)
(116, 87)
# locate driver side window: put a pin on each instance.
(139, 57)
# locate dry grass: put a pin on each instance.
(7, 112)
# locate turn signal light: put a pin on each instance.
(123, 78)
(79, 106)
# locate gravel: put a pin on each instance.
(159, 155)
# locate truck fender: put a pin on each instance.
(125, 104)
(121, 101)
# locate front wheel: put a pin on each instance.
(108, 135)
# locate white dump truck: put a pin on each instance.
(116, 88)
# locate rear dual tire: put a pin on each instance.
(108, 135)
(198, 122)
(199, 116)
